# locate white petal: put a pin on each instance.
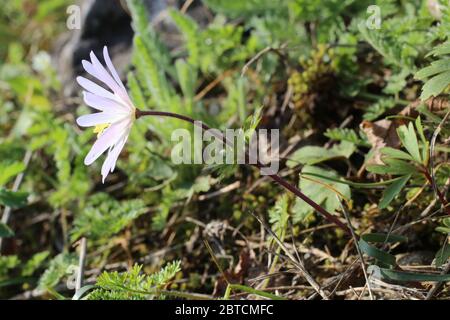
(100, 72)
(111, 67)
(94, 119)
(95, 88)
(113, 154)
(103, 104)
(106, 140)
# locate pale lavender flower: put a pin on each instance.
(113, 123)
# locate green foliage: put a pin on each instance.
(34, 263)
(377, 109)
(401, 163)
(444, 227)
(437, 75)
(442, 255)
(133, 285)
(392, 191)
(13, 199)
(279, 216)
(344, 134)
(6, 264)
(338, 69)
(59, 267)
(320, 190)
(242, 8)
(104, 217)
(312, 155)
(9, 170)
(388, 47)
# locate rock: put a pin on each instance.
(102, 23)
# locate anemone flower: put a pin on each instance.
(117, 113)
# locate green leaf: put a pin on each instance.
(345, 134)
(61, 265)
(385, 258)
(13, 199)
(133, 284)
(312, 154)
(383, 238)
(105, 216)
(34, 263)
(5, 231)
(279, 216)
(442, 255)
(187, 77)
(10, 170)
(402, 276)
(435, 85)
(409, 139)
(437, 75)
(393, 166)
(190, 31)
(322, 192)
(395, 153)
(392, 191)
(242, 8)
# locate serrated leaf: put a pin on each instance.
(437, 75)
(435, 85)
(190, 31)
(10, 170)
(435, 68)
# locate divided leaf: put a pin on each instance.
(320, 190)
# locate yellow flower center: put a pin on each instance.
(100, 128)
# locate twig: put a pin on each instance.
(437, 285)
(81, 264)
(261, 53)
(355, 239)
(430, 172)
(186, 6)
(296, 263)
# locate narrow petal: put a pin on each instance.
(103, 104)
(103, 75)
(118, 148)
(113, 154)
(95, 88)
(111, 68)
(94, 119)
(106, 140)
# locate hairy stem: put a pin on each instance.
(328, 216)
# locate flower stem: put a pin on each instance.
(288, 186)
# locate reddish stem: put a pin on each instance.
(328, 216)
(440, 195)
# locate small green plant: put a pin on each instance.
(134, 285)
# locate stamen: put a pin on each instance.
(100, 128)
